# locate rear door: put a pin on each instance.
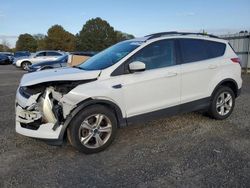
(200, 60)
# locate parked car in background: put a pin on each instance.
(20, 54)
(41, 56)
(9, 55)
(4, 59)
(58, 63)
(133, 81)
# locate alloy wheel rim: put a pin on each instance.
(224, 103)
(25, 67)
(95, 131)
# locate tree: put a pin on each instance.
(26, 42)
(96, 35)
(59, 39)
(120, 36)
(4, 47)
(40, 39)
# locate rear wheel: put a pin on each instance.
(93, 129)
(222, 104)
(25, 65)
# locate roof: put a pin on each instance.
(175, 33)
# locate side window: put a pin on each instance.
(197, 50)
(215, 49)
(41, 54)
(53, 54)
(156, 55)
(193, 50)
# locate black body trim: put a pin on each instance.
(201, 104)
(33, 125)
(238, 92)
(53, 142)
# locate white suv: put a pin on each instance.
(38, 57)
(133, 81)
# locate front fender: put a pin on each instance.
(88, 102)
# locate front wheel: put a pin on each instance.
(93, 129)
(25, 65)
(222, 104)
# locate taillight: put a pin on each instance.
(235, 60)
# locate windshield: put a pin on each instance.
(110, 56)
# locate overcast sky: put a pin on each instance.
(137, 17)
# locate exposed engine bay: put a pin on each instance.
(45, 104)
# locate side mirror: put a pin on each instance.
(137, 66)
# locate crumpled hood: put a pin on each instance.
(60, 74)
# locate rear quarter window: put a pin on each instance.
(215, 49)
(193, 50)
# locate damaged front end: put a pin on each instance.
(41, 110)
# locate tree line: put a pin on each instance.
(96, 35)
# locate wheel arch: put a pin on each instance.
(231, 83)
(89, 102)
(25, 62)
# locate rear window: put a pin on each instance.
(197, 50)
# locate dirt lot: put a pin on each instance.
(188, 150)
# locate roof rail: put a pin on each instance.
(156, 35)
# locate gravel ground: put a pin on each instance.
(189, 150)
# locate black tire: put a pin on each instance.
(213, 109)
(25, 65)
(73, 130)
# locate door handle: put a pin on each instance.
(171, 74)
(118, 86)
(212, 66)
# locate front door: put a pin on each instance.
(156, 88)
(41, 56)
